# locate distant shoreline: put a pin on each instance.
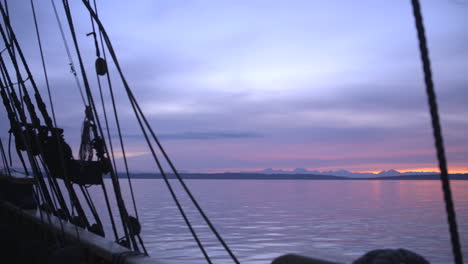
(259, 176)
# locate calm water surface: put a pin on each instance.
(335, 220)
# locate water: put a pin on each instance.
(334, 220)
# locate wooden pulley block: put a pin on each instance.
(101, 66)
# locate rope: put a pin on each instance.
(135, 105)
(4, 159)
(9, 149)
(13, 115)
(109, 210)
(36, 172)
(96, 45)
(116, 116)
(14, 123)
(70, 59)
(192, 231)
(91, 205)
(43, 62)
(173, 195)
(34, 118)
(55, 186)
(40, 103)
(437, 131)
(112, 156)
(120, 202)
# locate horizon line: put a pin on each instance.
(312, 171)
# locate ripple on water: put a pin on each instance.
(299, 217)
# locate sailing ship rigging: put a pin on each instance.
(47, 157)
(60, 178)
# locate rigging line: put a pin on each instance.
(18, 83)
(30, 108)
(5, 3)
(58, 193)
(142, 244)
(437, 131)
(12, 114)
(90, 203)
(112, 156)
(55, 206)
(189, 193)
(13, 119)
(72, 193)
(40, 103)
(123, 212)
(86, 193)
(192, 198)
(171, 190)
(18, 111)
(27, 99)
(88, 91)
(21, 96)
(6, 97)
(121, 144)
(36, 172)
(51, 189)
(114, 229)
(116, 116)
(166, 180)
(20, 156)
(94, 34)
(9, 149)
(42, 190)
(109, 210)
(132, 99)
(55, 185)
(4, 159)
(162, 171)
(70, 59)
(58, 198)
(51, 186)
(9, 44)
(9, 102)
(43, 62)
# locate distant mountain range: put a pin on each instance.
(342, 173)
(304, 174)
(264, 176)
(299, 174)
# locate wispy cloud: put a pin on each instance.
(267, 83)
(207, 135)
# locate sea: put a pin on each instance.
(336, 220)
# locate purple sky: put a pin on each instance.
(245, 85)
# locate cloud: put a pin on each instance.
(300, 79)
(207, 135)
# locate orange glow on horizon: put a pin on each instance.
(235, 170)
(461, 170)
(458, 170)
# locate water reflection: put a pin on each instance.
(338, 220)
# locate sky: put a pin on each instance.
(246, 85)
